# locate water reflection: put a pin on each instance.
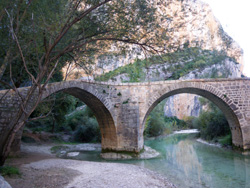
(188, 163)
(197, 165)
(185, 158)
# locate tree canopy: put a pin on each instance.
(39, 37)
(36, 35)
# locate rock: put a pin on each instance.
(73, 154)
(148, 153)
(115, 156)
(85, 147)
(182, 106)
(194, 25)
(63, 152)
(3, 183)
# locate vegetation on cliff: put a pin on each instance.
(180, 62)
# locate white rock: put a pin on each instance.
(73, 154)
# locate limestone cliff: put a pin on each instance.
(195, 23)
(183, 23)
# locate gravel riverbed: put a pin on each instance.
(41, 169)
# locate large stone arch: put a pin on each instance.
(226, 105)
(96, 102)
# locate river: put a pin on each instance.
(188, 163)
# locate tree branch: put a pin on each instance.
(77, 19)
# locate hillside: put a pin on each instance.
(185, 23)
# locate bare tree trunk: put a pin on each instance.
(5, 148)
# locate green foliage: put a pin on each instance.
(68, 30)
(212, 123)
(9, 170)
(84, 126)
(74, 120)
(30, 30)
(188, 122)
(57, 106)
(82, 123)
(88, 132)
(125, 102)
(134, 71)
(157, 124)
(192, 58)
(225, 140)
(177, 124)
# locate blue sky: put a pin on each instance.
(234, 15)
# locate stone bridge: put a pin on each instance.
(121, 109)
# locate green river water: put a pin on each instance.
(188, 163)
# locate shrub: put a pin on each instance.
(9, 170)
(225, 140)
(155, 127)
(74, 120)
(212, 124)
(88, 132)
(157, 124)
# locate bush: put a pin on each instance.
(155, 127)
(88, 132)
(75, 119)
(9, 170)
(158, 124)
(225, 140)
(212, 124)
(57, 106)
(176, 123)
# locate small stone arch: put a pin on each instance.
(225, 104)
(90, 96)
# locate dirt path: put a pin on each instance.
(40, 169)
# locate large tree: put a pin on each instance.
(38, 37)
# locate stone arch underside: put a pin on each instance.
(229, 113)
(102, 114)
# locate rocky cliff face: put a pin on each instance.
(183, 23)
(194, 24)
(182, 106)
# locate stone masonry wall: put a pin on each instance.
(121, 109)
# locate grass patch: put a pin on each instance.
(9, 170)
(225, 140)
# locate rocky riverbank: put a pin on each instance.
(40, 168)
